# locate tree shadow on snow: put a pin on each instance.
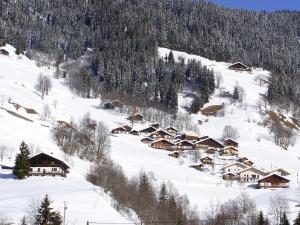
(7, 176)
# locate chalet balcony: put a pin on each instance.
(54, 173)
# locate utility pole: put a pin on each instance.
(65, 209)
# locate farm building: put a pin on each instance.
(183, 145)
(119, 130)
(229, 176)
(229, 151)
(155, 125)
(44, 164)
(4, 52)
(175, 154)
(208, 143)
(134, 132)
(147, 140)
(280, 172)
(136, 118)
(207, 160)
(273, 181)
(239, 67)
(198, 166)
(231, 142)
(190, 136)
(117, 104)
(148, 130)
(161, 134)
(162, 144)
(233, 167)
(211, 151)
(171, 130)
(250, 174)
(246, 161)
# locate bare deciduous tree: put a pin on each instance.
(278, 206)
(230, 132)
(43, 85)
(219, 79)
(46, 112)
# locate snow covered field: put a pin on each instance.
(18, 76)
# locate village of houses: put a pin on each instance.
(222, 154)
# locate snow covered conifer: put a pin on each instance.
(297, 220)
(22, 162)
(284, 220)
(46, 215)
(236, 95)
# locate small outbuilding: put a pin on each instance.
(136, 118)
(4, 52)
(238, 66)
(148, 130)
(119, 130)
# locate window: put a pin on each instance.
(54, 169)
(39, 170)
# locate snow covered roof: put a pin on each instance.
(274, 174)
(191, 134)
(238, 63)
(235, 164)
(163, 140)
(255, 170)
(161, 131)
(52, 156)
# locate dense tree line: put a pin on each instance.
(124, 36)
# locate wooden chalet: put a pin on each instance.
(207, 160)
(273, 181)
(44, 164)
(229, 151)
(155, 125)
(190, 136)
(127, 127)
(198, 166)
(108, 105)
(162, 144)
(119, 130)
(211, 151)
(134, 132)
(233, 167)
(147, 140)
(4, 52)
(136, 118)
(250, 174)
(239, 67)
(231, 142)
(171, 130)
(183, 145)
(208, 143)
(280, 172)
(175, 154)
(117, 104)
(161, 134)
(148, 130)
(229, 176)
(246, 161)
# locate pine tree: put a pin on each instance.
(297, 220)
(23, 221)
(46, 215)
(163, 193)
(284, 220)
(236, 95)
(261, 220)
(197, 103)
(22, 162)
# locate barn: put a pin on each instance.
(161, 134)
(231, 142)
(238, 66)
(148, 130)
(44, 164)
(273, 181)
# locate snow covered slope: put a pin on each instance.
(18, 76)
(85, 202)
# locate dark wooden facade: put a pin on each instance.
(44, 164)
(148, 130)
(119, 130)
(207, 160)
(147, 140)
(273, 181)
(160, 134)
(229, 151)
(155, 125)
(208, 143)
(239, 67)
(136, 118)
(171, 130)
(4, 52)
(183, 145)
(134, 132)
(162, 144)
(230, 142)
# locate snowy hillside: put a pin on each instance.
(18, 76)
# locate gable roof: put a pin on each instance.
(184, 141)
(121, 127)
(230, 147)
(238, 63)
(230, 139)
(50, 156)
(170, 127)
(147, 138)
(280, 170)
(235, 164)
(148, 128)
(209, 138)
(160, 131)
(162, 140)
(206, 157)
(272, 175)
(255, 170)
